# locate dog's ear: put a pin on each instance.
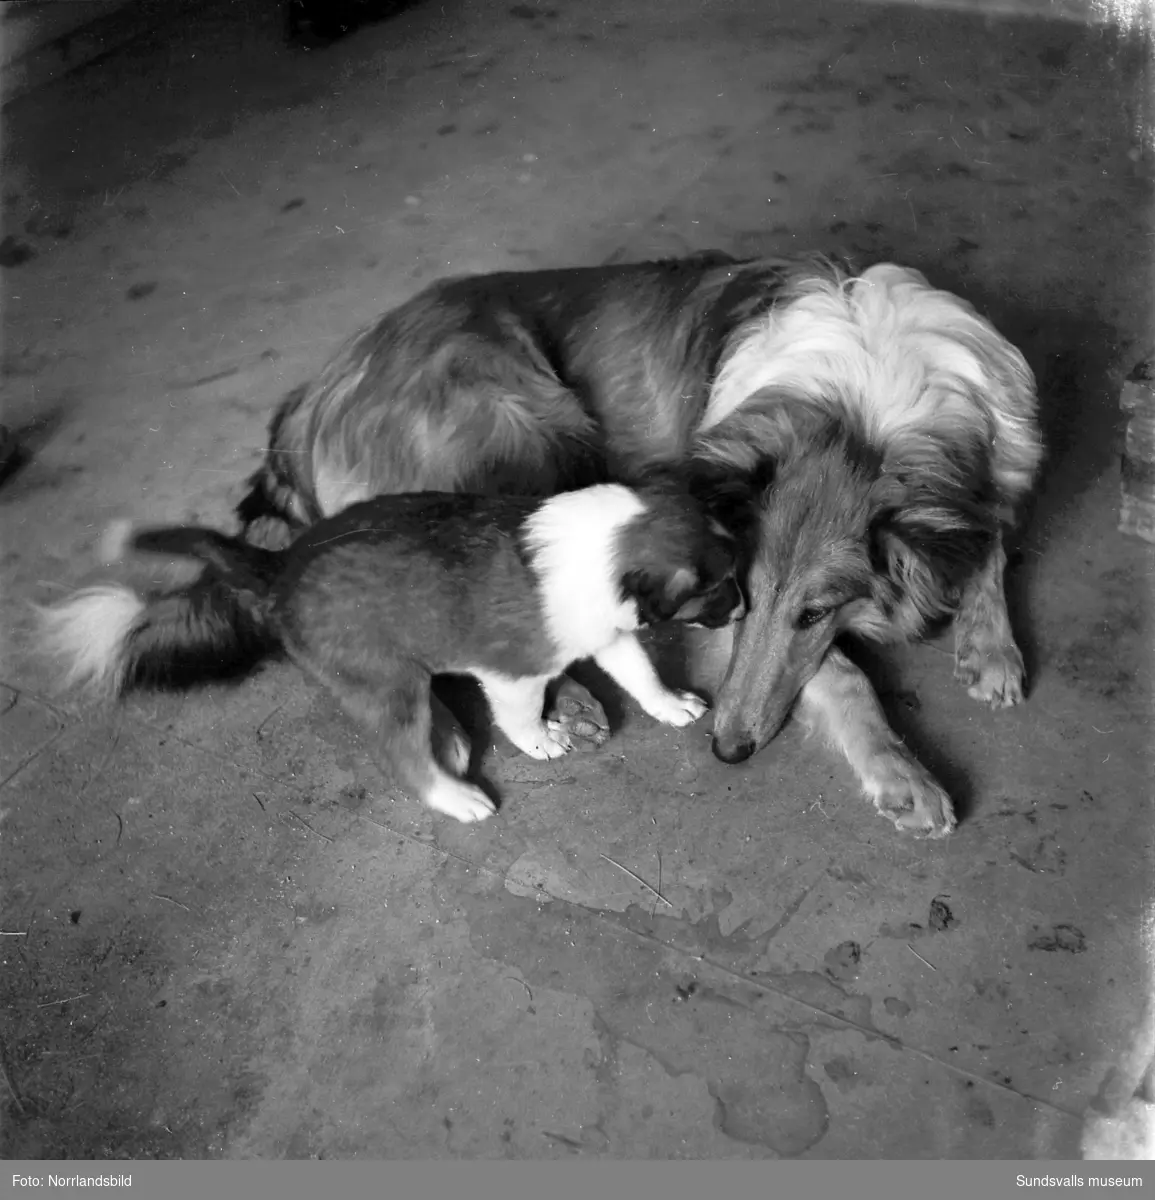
(925, 547)
(767, 427)
(781, 421)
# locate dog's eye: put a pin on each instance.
(809, 617)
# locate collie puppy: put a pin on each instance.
(871, 434)
(376, 601)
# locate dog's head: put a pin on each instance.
(841, 538)
(679, 564)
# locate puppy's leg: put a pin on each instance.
(397, 713)
(517, 706)
(626, 662)
(577, 714)
(451, 744)
(987, 660)
(840, 704)
(708, 654)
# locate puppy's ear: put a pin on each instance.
(661, 477)
(728, 495)
(658, 597)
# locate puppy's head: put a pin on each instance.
(679, 564)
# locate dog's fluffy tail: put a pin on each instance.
(110, 639)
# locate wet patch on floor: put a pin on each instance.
(1059, 937)
(763, 1093)
(14, 252)
(841, 962)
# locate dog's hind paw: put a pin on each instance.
(906, 793)
(462, 801)
(575, 712)
(992, 674)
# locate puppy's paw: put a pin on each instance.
(557, 739)
(992, 674)
(578, 714)
(550, 740)
(462, 801)
(677, 708)
(906, 793)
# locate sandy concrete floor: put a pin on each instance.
(225, 935)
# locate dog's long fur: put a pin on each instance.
(377, 600)
(869, 432)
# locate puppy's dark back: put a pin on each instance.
(453, 527)
(439, 577)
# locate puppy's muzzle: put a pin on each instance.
(724, 605)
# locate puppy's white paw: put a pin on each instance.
(993, 674)
(550, 740)
(677, 708)
(905, 792)
(558, 739)
(460, 800)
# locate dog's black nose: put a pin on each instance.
(737, 753)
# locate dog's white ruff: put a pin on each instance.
(904, 355)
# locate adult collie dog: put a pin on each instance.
(868, 433)
(377, 600)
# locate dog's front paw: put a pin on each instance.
(464, 802)
(677, 708)
(550, 740)
(992, 674)
(578, 714)
(905, 792)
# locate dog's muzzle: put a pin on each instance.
(740, 751)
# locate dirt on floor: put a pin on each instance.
(224, 934)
